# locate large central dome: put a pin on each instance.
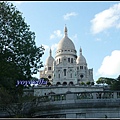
(65, 45)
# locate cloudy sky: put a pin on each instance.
(93, 26)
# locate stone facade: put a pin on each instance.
(67, 67)
(66, 97)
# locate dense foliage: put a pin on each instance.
(20, 58)
(112, 82)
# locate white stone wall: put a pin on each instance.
(40, 91)
(70, 71)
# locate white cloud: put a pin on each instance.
(45, 46)
(118, 25)
(110, 65)
(98, 39)
(52, 36)
(68, 15)
(106, 19)
(54, 47)
(56, 34)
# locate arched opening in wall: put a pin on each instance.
(48, 83)
(64, 83)
(71, 60)
(59, 60)
(71, 75)
(49, 68)
(64, 72)
(51, 93)
(71, 83)
(68, 92)
(58, 83)
(81, 67)
(58, 75)
(49, 76)
(81, 76)
(68, 59)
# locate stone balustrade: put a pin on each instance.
(81, 95)
(73, 103)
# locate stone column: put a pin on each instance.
(115, 95)
(94, 95)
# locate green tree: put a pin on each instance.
(88, 82)
(22, 108)
(101, 80)
(112, 82)
(116, 84)
(82, 83)
(20, 58)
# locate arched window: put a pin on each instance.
(64, 72)
(81, 67)
(81, 76)
(59, 60)
(49, 68)
(71, 60)
(70, 75)
(64, 83)
(58, 75)
(71, 83)
(68, 59)
(58, 83)
(49, 76)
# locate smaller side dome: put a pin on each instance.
(81, 59)
(50, 59)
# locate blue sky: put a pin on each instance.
(95, 26)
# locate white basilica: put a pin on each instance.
(67, 68)
(67, 96)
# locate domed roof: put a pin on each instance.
(81, 59)
(65, 46)
(65, 43)
(50, 59)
